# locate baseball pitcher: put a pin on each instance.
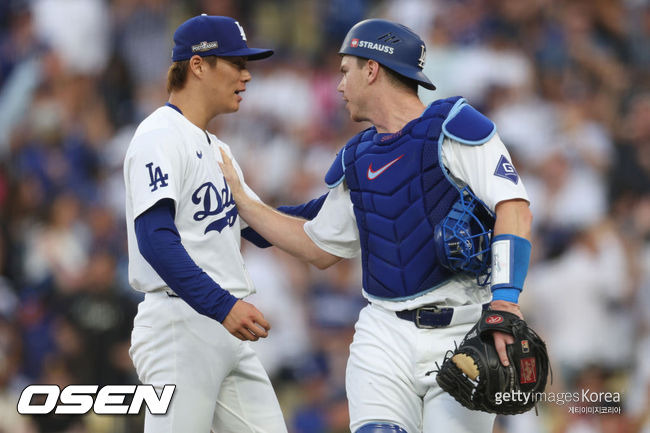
(193, 328)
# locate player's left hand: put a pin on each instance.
(474, 373)
(501, 339)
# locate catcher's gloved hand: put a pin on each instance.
(475, 377)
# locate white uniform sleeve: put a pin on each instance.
(487, 169)
(335, 228)
(154, 166)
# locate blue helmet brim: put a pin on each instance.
(415, 75)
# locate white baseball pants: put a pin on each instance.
(220, 383)
(387, 381)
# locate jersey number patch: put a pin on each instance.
(156, 175)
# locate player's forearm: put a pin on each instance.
(284, 231)
(306, 210)
(513, 217)
(510, 249)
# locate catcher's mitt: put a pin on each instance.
(475, 377)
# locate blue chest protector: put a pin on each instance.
(400, 191)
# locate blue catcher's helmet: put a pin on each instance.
(390, 44)
(463, 237)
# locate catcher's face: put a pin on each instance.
(226, 81)
(351, 87)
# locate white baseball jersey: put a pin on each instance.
(171, 158)
(488, 172)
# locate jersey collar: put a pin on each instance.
(169, 104)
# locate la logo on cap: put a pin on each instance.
(241, 30)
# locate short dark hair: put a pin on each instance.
(394, 78)
(177, 73)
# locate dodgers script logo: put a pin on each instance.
(214, 202)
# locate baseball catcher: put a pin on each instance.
(475, 377)
(406, 195)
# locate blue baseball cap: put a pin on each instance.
(207, 35)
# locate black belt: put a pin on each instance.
(430, 316)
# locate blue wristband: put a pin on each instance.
(510, 295)
(510, 259)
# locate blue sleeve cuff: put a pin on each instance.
(255, 238)
(307, 211)
(510, 295)
(160, 244)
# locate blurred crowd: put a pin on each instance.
(566, 81)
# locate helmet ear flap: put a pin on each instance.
(462, 239)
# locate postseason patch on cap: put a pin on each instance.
(205, 46)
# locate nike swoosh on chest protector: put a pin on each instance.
(372, 174)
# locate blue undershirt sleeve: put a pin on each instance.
(306, 210)
(160, 244)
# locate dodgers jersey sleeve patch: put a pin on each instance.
(151, 166)
(506, 170)
(157, 177)
(467, 125)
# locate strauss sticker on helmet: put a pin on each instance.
(374, 46)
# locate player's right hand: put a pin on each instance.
(246, 322)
